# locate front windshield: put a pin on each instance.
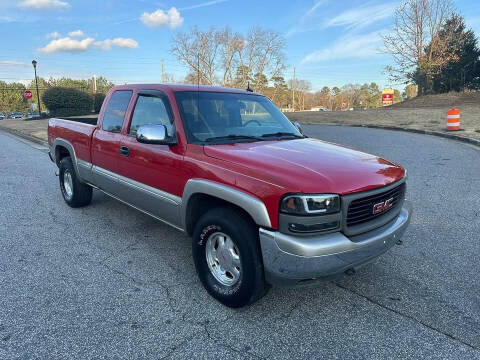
(216, 117)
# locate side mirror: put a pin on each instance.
(298, 126)
(154, 134)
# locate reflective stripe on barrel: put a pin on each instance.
(453, 119)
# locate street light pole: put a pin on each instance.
(34, 63)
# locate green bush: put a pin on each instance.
(98, 101)
(67, 101)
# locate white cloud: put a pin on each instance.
(119, 42)
(68, 44)
(208, 3)
(8, 63)
(53, 35)
(354, 18)
(161, 18)
(76, 33)
(350, 46)
(362, 16)
(305, 19)
(43, 4)
(6, 19)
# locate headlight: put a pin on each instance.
(310, 204)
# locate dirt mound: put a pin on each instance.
(452, 99)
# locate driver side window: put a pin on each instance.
(151, 110)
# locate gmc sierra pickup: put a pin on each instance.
(263, 203)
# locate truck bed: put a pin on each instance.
(78, 131)
(88, 119)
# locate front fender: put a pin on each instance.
(252, 205)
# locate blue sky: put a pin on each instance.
(329, 42)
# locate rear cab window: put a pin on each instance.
(116, 109)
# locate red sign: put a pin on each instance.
(28, 94)
(387, 97)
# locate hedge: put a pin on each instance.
(98, 101)
(67, 101)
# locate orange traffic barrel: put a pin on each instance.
(453, 119)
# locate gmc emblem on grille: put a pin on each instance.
(382, 206)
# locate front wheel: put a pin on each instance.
(75, 193)
(227, 257)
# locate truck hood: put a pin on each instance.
(308, 165)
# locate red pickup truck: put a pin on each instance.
(263, 203)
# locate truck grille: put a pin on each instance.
(361, 210)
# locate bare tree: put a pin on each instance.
(417, 23)
(263, 54)
(259, 57)
(232, 45)
(302, 87)
(199, 51)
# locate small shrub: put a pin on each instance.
(67, 102)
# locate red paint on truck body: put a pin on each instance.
(267, 170)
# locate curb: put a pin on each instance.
(25, 136)
(450, 136)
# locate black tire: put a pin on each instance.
(81, 194)
(251, 284)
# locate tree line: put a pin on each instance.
(12, 94)
(432, 48)
(257, 60)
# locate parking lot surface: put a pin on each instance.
(107, 281)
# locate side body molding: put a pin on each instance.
(252, 205)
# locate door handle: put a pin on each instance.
(124, 150)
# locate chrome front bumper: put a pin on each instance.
(290, 260)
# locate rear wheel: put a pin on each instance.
(227, 257)
(75, 193)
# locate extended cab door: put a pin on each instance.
(151, 175)
(106, 140)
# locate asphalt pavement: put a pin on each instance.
(107, 281)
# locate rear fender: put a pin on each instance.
(67, 145)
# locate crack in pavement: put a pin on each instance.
(177, 346)
(229, 347)
(407, 316)
(204, 324)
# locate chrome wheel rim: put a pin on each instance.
(68, 184)
(223, 259)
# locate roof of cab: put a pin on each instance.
(175, 87)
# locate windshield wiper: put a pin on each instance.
(282, 134)
(233, 137)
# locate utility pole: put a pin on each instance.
(94, 84)
(293, 90)
(94, 91)
(163, 73)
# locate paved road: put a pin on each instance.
(108, 281)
